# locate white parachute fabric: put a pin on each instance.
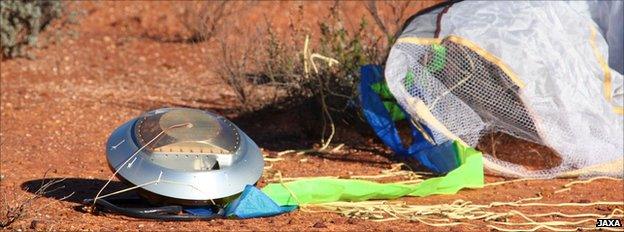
(539, 71)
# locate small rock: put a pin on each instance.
(584, 201)
(319, 225)
(351, 221)
(33, 224)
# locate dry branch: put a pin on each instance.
(13, 213)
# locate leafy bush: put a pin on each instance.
(281, 70)
(21, 21)
(293, 69)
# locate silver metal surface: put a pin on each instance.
(188, 154)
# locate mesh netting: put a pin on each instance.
(470, 96)
(540, 80)
(466, 93)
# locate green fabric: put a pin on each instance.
(408, 82)
(436, 64)
(395, 110)
(461, 149)
(468, 175)
(321, 190)
(381, 88)
(439, 58)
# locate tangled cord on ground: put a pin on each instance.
(165, 213)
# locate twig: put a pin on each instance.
(372, 9)
(15, 213)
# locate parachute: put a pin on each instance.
(548, 73)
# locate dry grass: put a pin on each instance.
(321, 62)
(280, 70)
(204, 19)
(461, 212)
(23, 205)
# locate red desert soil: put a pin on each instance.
(505, 147)
(58, 109)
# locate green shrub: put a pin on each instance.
(301, 68)
(21, 21)
(273, 71)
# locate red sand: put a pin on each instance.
(58, 109)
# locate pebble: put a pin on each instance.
(319, 225)
(33, 224)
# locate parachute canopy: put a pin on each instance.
(546, 72)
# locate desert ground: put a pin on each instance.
(120, 59)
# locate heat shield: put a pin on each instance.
(184, 154)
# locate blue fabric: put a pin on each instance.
(199, 211)
(254, 203)
(442, 158)
(437, 158)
